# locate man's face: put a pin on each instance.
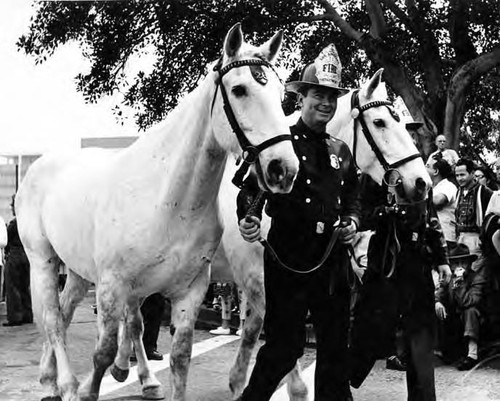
(441, 142)
(496, 167)
(430, 166)
(464, 178)
(318, 106)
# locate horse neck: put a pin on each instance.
(183, 152)
(342, 125)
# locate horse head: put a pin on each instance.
(247, 113)
(381, 145)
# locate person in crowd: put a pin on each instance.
(462, 301)
(449, 155)
(490, 240)
(152, 312)
(224, 294)
(472, 201)
(17, 277)
(496, 168)
(484, 176)
(398, 289)
(443, 196)
(242, 310)
(301, 272)
(3, 244)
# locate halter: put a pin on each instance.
(250, 152)
(357, 114)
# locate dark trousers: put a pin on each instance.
(152, 311)
(17, 287)
(420, 365)
(289, 296)
(409, 296)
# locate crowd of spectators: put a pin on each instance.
(468, 308)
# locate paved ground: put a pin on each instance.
(20, 349)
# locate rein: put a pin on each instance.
(250, 152)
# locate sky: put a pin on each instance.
(40, 108)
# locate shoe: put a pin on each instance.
(220, 331)
(394, 363)
(467, 363)
(239, 332)
(154, 355)
(11, 324)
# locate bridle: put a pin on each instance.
(250, 152)
(357, 115)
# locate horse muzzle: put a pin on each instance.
(279, 176)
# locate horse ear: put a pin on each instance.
(271, 48)
(233, 41)
(374, 82)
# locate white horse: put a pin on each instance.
(397, 151)
(146, 220)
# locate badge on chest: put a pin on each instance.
(334, 161)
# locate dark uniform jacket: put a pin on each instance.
(326, 189)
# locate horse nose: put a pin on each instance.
(278, 174)
(421, 187)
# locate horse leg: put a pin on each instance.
(253, 286)
(74, 290)
(110, 308)
(151, 387)
(297, 388)
(55, 370)
(121, 366)
(184, 314)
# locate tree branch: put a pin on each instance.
(378, 27)
(459, 33)
(332, 15)
(459, 84)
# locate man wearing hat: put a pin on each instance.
(306, 263)
(462, 301)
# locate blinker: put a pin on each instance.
(258, 74)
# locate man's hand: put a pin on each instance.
(440, 311)
(444, 274)
(250, 228)
(348, 233)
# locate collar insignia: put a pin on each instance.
(334, 161)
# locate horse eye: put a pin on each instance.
(239, 91)
(379, 123)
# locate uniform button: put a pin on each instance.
(342, 182)
(304, 158)
(303, 136)
(296, 137)
(308, 200)
(308, 181)
(340, 159)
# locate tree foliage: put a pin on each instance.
(442, 57)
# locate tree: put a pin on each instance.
(441, 57)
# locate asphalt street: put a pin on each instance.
(20, 350)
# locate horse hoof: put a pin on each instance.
(120, 375)
(153, 393)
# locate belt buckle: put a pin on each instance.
(320, 227)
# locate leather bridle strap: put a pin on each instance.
(369, 138)
(250, 152)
